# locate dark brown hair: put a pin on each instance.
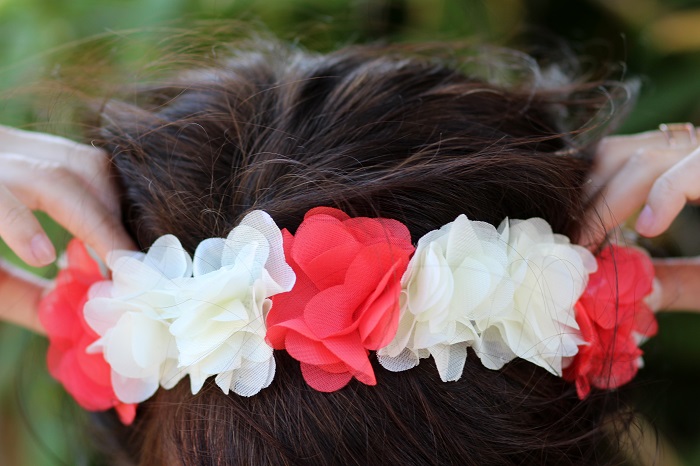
(375, 131)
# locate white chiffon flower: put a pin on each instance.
(220, 329)
(163, 316)
(506, 292)
(131, 313)
(455, 276)
(549, 275)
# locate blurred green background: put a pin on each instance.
(658, 41)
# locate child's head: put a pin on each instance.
(376, 132)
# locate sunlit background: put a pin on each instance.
(657, 41)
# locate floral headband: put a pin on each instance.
(336, 290)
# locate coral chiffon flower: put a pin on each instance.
(613, 319)
(87, 377)
(346, 298)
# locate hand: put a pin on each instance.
(644, 172)
(71, 183)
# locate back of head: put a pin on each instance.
(377, 132)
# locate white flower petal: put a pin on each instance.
(169, 257)
(253, 377)
(448, 284)
(507, 292)
(130, 390)
(475, 278)
(276, 264)
(131, 276)
(102, 314)
(150, 341)
(255, 348)
(224, 380)
(164, 316)
(245, 241)
(208, 255)
(197, 378)
(449, 360)
(136, 346)
(433, 289)
(492, 350)
(403, 361)
(101, 290)
(171, 374)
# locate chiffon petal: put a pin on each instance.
(345, 300)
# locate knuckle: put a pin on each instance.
(96, 223)
(57, 172)
(645, 157)
(51, 171)
(665, 187)
(17, 216)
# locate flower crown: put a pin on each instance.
(336, 290)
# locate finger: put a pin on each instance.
(679, 284)
(31, 163)
(54, 189)
(20, 293)
(79, 157)
(88, 162)
(99, 184)
(669, 195)
(81, 214)
(614, 151)
(22, 232)
(626, 192)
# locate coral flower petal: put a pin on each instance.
(85, 376)
(612, 316)
(323, 381)
(345, 300)
(309, 351)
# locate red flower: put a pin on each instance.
(613, 317)
(346, 297)
(87, 377)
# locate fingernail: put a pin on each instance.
(645, 221)
(42, 249)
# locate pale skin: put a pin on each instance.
(70, 182)
(645, 173)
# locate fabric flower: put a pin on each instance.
(85, 376)
(164, 316)
(549, 274)
(506, 292)
(132, 314)
(346, 298)
(614, 319)
(457, 276)
(221, 328)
